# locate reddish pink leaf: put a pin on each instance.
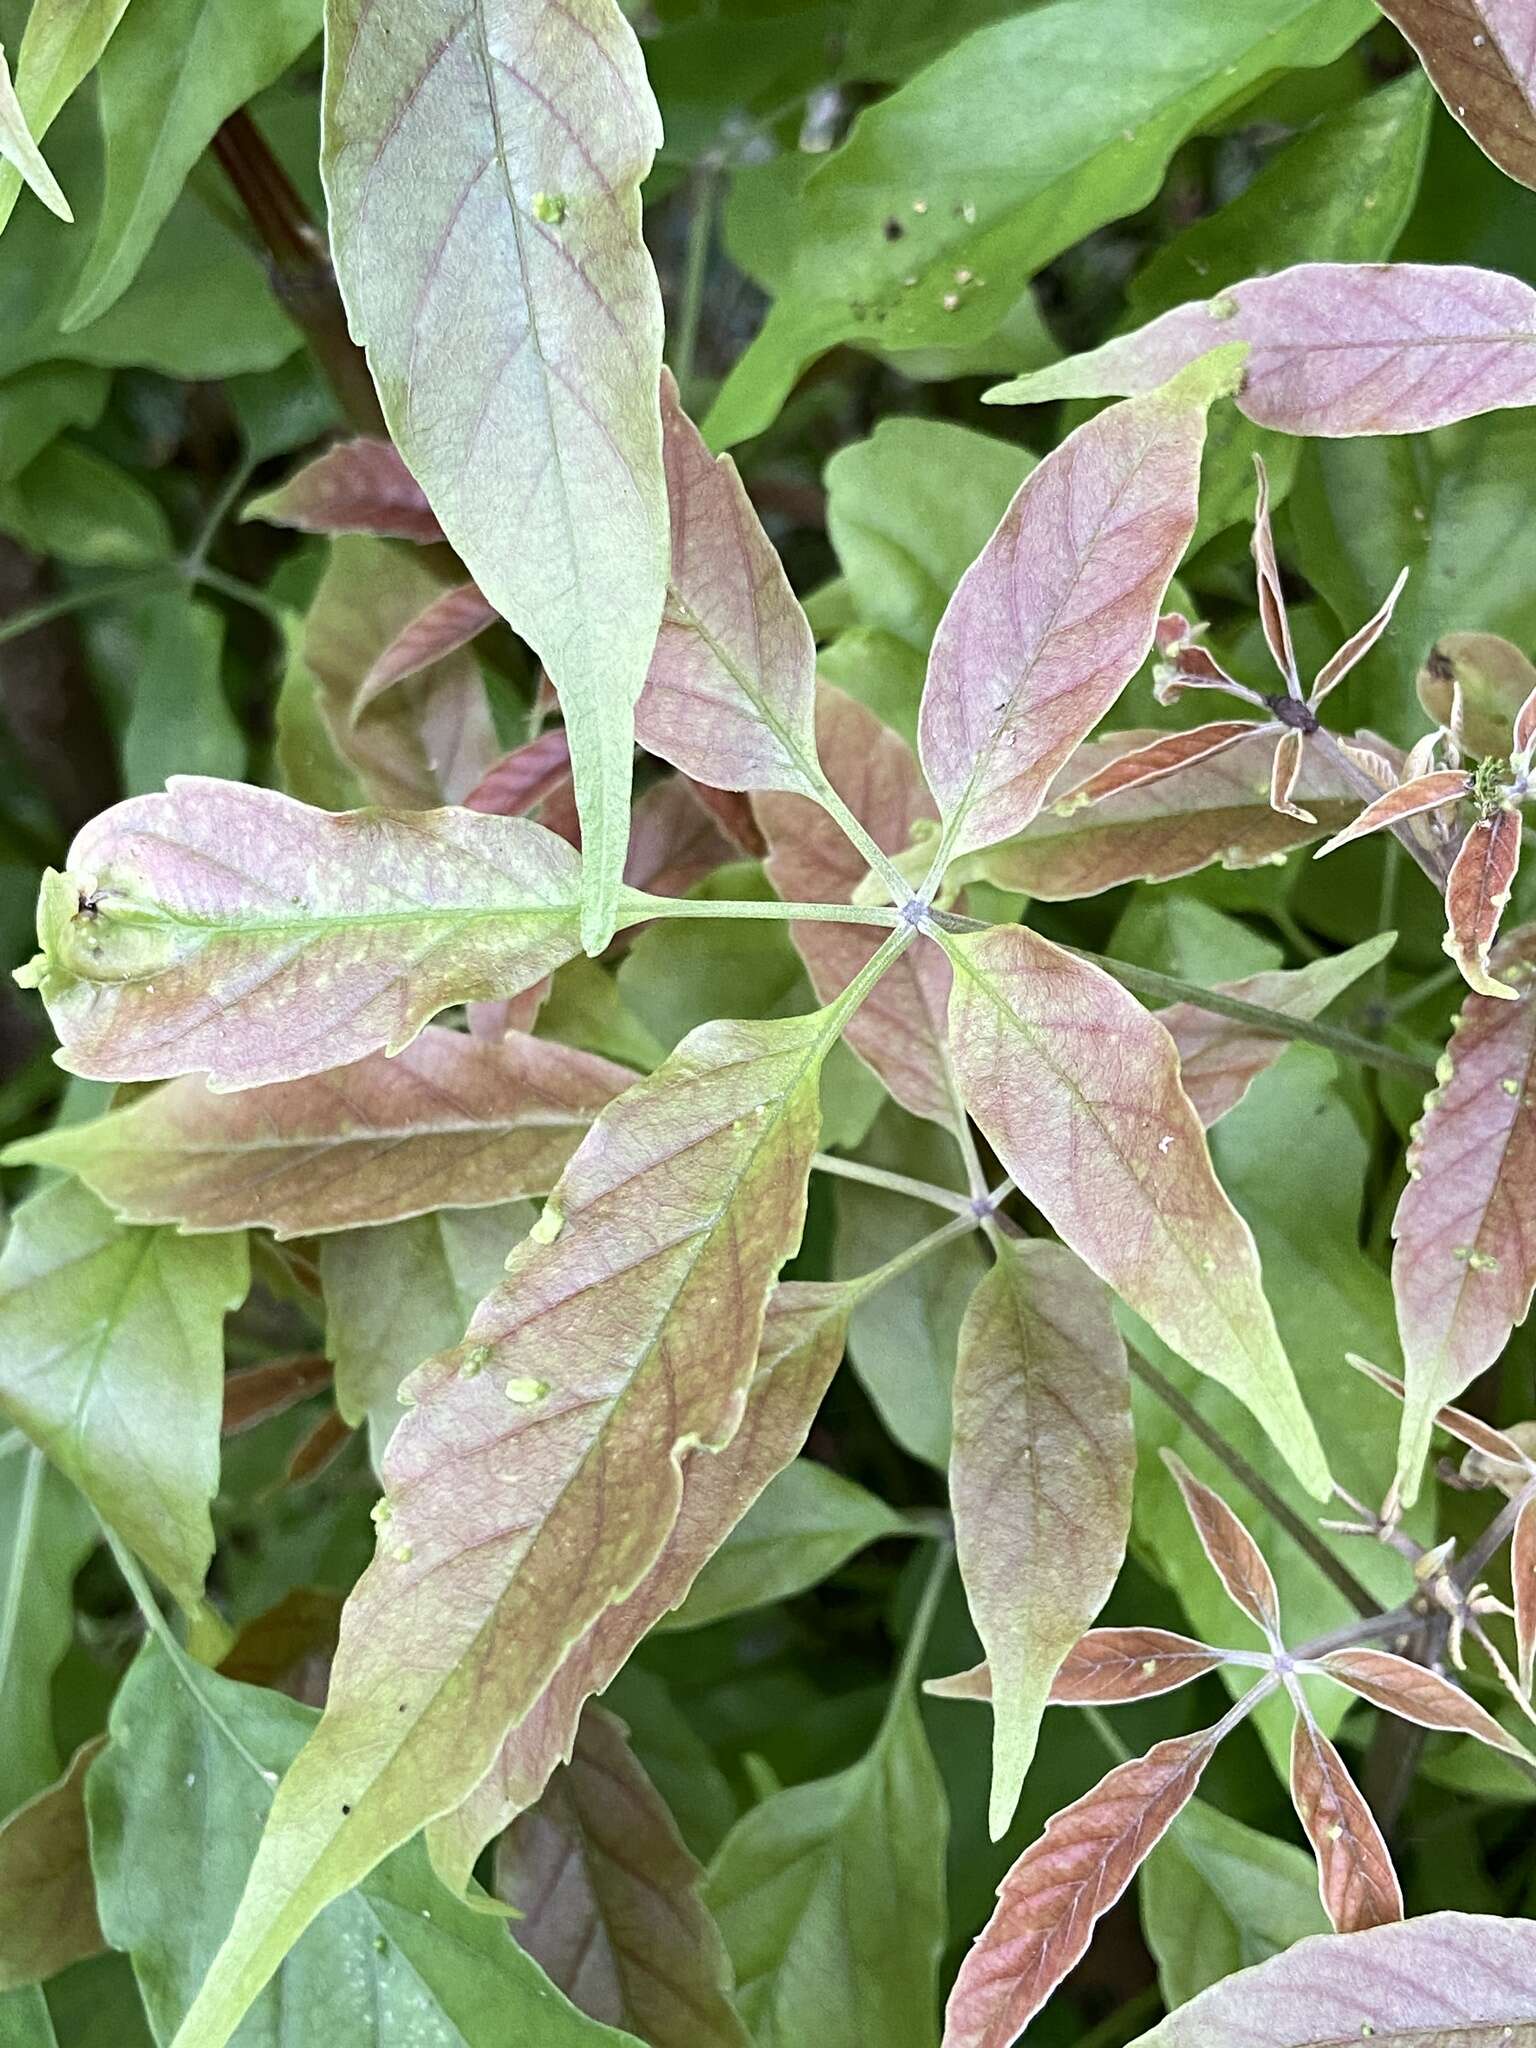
(230, 931)
(1481, 55)
(1105, 1668)
(1049, 1901)
(1234, 1556)
(673, 839)
(1217, 810)
(1358, 1885)
(1522, 1572)
(1040, 1481)
(1283, 772)
(730, 696)
(318, 1449)
(1409, 800)
(1058, 611)
(802, 1344)
(356, 487)
(902, 1029)
(262, 1391)
(448, 623)
(1078, 1090)
(1357, 646)
(1168, 753)
(608, 1898)
(1272, 610)
(521, 780)
(452, 1122)
(1414, 1693)
(731, 810)
(1480, 880)
(1334, 348)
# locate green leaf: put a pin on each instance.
(176, 1807)
(73, 503)
(623, 1337)
(111, 1360)
(1078, 1090)
(46, 1534)
(62, 41)
(47, 1894)
(179, 722)
(483, 170)
(983, 198)
(1217, 1896)
(230, 931)
(169, 77)
(1040, 1481)
(831, 1900)
(809, 1521)
(24, 2019)
(18, 148)
(37, 404)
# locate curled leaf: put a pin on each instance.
(1409, 800)
(1522, 1573)
(1355, 1876)
(1479, 885)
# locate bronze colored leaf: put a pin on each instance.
(1481, 57)
(1234, 1556)
(358, 486)
(1417, 1694)
(1354, 1871)
(1481, 879)
(1105, 1668)
(47, 1893)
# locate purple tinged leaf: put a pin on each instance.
(1272, 608)
(1058, 611)
(230, 931)
(1414, 1693)
(483, 171)
(730, 696)
(451, 1123)
(802, 1345)
(1522, 1572)
(1481, 58)
(1040, 1481)
(1355, 1877)
(521, 780)
(1219, 1058)
(609, 1899)
(537, 1475)
(1449, 1980)
(448, 623)
(47, 1892)
(1105, 1668)
(902, 1031)
(356, 487)
(1481, 878)
(1465, 1259)
(1233, 1555)
(1335, 349)
(1168, 754)
(1048, 1903)
(1077, 1088)
(1410, 800)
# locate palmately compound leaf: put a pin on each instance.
(1449, 1980)
(1335, 349)
(1481, 55)
(1077, 1089)
(112, 1362)
(1040, 1481)
(230, 931)
(452, 1122)
(176, 1808)
(483, 166)
(802, 1342)
(609, 1899)
(730, 696)
(538, 1475)
(1465, 1262)
(902, 1031)
(47, 1894)
(1058, 611)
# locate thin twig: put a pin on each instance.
(895, 1183)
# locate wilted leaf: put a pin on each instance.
(1040, 1481)
(483, 171)
(1219, 1057)
(176, 1807)
(1233, 1555)
(47, 1893)
(539, 1478)
(19, 150)
(1450, 1980)
(1217, 810)
(46, 1533)
(1077, 1089)
(1058, 611)
(1416, 1693)
(1482, 60)
(1476, 891)
(1334, 348)
(451, 1122)
(902, 1031)
(358, 486)
(609, 1899)
(230, 931)
(1465, 1262)
(1049, 1901)
(830, 1896)
(1354, 1871)
(111, 1360)
(802, 1342)
(730, 696)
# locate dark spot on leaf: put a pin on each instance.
(893, 229)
